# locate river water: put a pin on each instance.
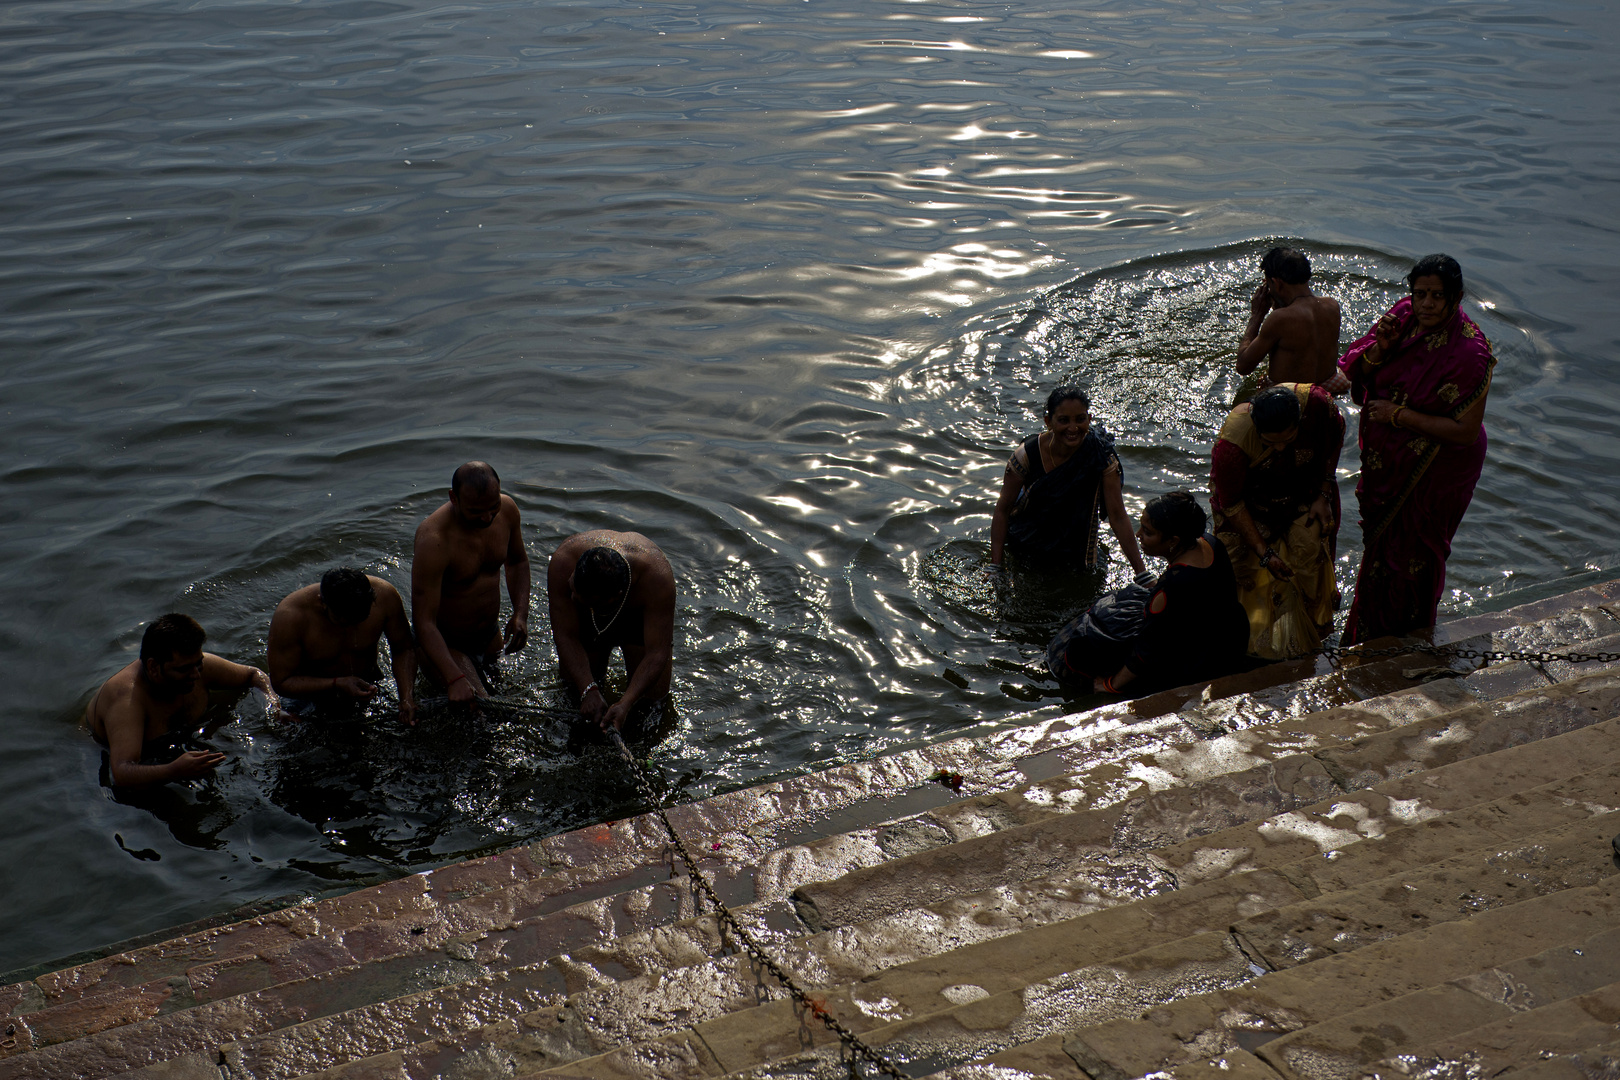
(777, 283)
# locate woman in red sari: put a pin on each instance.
(1421, 376)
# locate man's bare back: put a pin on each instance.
(460, 551)
(589, 619)
(325, 649)
(1290, 326)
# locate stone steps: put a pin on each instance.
(631, 1001)
(1069, 806)
(1219, 931)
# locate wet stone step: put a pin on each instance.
(1549, 997)
(1563, 800)
(1121, 988)
(1205, 1025)
(1493, 1034)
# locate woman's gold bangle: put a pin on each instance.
(1395, 417)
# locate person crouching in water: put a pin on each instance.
(1186, 627)
(1274, 493)
(1058, 486)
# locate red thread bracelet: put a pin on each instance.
(455, 680)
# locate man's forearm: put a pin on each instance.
(437, 651)
(404, 665)
(648, 672)
(517, 588)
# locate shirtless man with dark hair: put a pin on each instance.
(323, 642)
(461, 549)
(163, 694)
(1296, 329)
(610, 589)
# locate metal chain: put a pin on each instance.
(816, 1007)
(1337, 654)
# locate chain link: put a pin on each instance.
(1338, 654)
(816, 1007)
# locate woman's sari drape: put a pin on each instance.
(1277, 487)
(1413, 490)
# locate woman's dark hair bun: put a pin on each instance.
(1178, 514)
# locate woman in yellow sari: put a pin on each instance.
(1274, 491)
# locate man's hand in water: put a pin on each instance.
(407, 710)
(614, 718)
(517, 633)
(463, 691)
(194, 763)
(354, 686)
(593, 707)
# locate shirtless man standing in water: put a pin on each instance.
(1292, 326)
(612, 589)
(460, 551)
(162, 694)
(323, 643)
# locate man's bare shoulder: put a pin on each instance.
(386, 593)
(433, 534)
(117, 701)
(297, 605)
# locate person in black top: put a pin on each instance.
(1194, 628)
(1189, 626)
(1059, 485)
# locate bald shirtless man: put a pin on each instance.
(1291, 326)
(461, 550)
(161, 695)
(323, 643)
(610, 589)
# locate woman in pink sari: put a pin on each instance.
(1421, 376)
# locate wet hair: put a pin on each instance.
(601, 571)
(1443, 267)
(478, 475)
(170, 636)
(347, 594)
(1274, 409)
(1178, 514)
(1287, 265)
(1066, 393)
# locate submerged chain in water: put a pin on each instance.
(756, 952)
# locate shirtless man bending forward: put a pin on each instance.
(1295, 328)
(164, 692)
(610, 589)
(323, 642)
(455, 582)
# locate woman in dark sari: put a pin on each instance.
(1187, 626)
(1058, 486)
(1421, 376)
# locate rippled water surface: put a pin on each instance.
(777, 283)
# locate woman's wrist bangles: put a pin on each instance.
(1271, 553)
(589, 687)
(1108, 684)
(1395, 417)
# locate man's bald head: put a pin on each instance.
(477, 477)
(475, 493)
